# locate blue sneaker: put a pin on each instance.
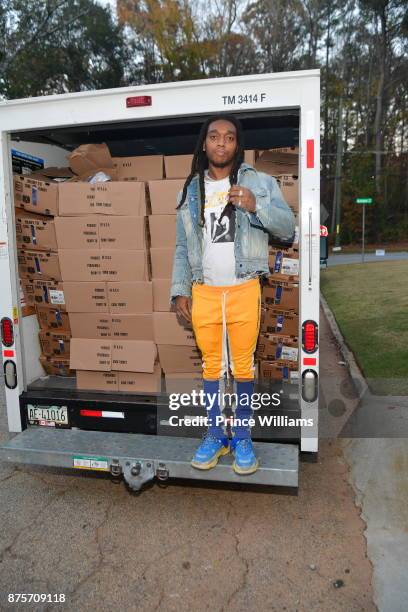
(209, 451)
(245, 461)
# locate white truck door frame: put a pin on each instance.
(299, 89)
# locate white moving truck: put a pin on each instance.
(277, 110)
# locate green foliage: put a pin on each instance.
(59, 46)
(56, 46)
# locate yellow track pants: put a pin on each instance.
(227, 314)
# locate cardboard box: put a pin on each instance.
(77, 232)
(53, 173)
(123, 232)
(276, 347)
(162, 262)
(130, 298)
(39, 264)
(111, 198)
(170, 329)
(97, 381)
(90, 325)
(133, 355)
(35, 195)
(141, 382)
(99, 265)
(250, 157)
(179, 358)
(278, 321)
(278, 372)
(284, 261)
(289, 186)
(132, 327)
(163, 196)
(35, 232)
(52, 319)
(55, 343)
(86, 297)
(115, 327)
(162, 230)
(161, 294)
(177, 166)
(183, 382)
(56, 366)
(276, 164)
(47, 293)
(91, 354)
(291, 150)
(140, 168)
(281, 293)
(89, 157)
(101, 232)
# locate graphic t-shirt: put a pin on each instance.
(218, 244)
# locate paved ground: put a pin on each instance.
(189, 547)
(345, 258)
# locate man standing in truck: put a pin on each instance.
(225, 214)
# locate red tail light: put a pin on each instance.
(7, 331)
(309, 336)
(138, 101)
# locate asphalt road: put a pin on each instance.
(347, 258)
(186, 547)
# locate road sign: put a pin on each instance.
(364, 200)
(323, 230)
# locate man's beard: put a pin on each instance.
(222, 164)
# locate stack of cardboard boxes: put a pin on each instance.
(179, 355)
(104, 257)
(278, 343)
(36, 200)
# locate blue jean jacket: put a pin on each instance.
(273, 216)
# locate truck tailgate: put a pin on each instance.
(161, 456)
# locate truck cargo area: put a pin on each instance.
(168, 136)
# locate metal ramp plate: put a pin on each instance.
(279, 463)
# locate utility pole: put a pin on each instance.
(337, 182)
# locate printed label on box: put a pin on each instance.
(290, 266)
(290, 353)
(57, 296)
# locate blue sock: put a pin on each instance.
(243, 408)
(212, 387)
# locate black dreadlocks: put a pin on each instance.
(200, 162)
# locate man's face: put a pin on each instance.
(221, 143)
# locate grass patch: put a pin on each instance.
(370, 303)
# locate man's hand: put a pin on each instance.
(242, 197)
(183, 307)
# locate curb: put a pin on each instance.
(355, 372)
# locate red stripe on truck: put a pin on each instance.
(309, 360)
(310, 153)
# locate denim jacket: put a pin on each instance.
(273, 216)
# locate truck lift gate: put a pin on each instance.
(142, 457)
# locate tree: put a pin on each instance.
(58, 46)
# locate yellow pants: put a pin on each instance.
(228, 313)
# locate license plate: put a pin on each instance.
(47, 415)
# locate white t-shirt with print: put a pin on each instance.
(218, 244)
